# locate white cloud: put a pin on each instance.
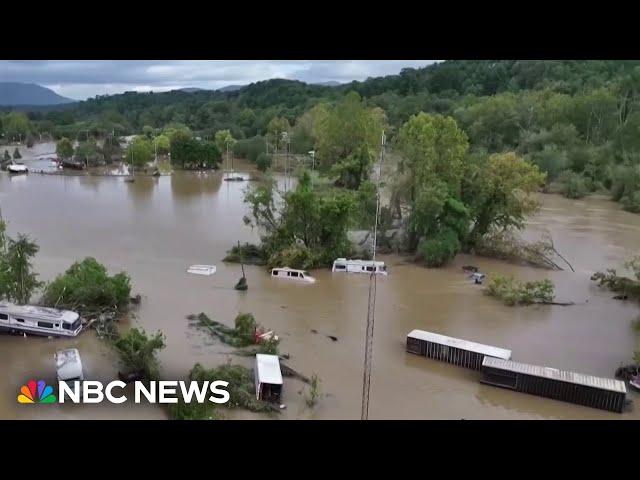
(80, 79)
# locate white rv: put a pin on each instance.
(292, 274)
(69, 365)
(359, 266)
(39, 320)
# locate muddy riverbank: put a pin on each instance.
(156, 227)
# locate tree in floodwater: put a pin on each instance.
(513, 292)
(140, 152)
(137, 352)
(308, 229)
(64, 148)
(7, 156)
(498, 190)
(17, 279)
(429, 180)
(348, 139)
(16, 154)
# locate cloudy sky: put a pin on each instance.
(80, 79)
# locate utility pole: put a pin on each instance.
(371, 310)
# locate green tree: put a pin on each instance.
(16, 154)
(64, 148)
(348, 129)
(498, 189)
(16, 125)
(139, 152)
(162, 144)
(433, 164)
(138, 352)
(309, 229)
(224, 139)
(17, 279)
(263, 162)
(276, 127)
(88, 285)
(88, 152)
(6, 156)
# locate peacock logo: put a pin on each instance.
(36, 392)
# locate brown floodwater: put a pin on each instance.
(156, 227)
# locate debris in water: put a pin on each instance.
(621, 297)
(470, 268)
(314, 331)
(136, 300)
(335, 339)
(242, 284)
(283, 407)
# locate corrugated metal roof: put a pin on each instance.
(555, 374)
(462, 344)
(268, 367)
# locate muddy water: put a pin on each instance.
(156, 227)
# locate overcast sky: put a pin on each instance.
(80, 79)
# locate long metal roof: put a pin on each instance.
(555, 374)
(461, 344)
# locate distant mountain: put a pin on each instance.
(29, 94)
(328, 84)
(230, 88)
(191, 90)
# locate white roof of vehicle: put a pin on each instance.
(358, 262)
(40, 312)
(268, 368)
(461, 344)
(68, 363)
(287, 269)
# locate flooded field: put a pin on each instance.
(156, 227)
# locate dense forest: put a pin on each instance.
(578, 121)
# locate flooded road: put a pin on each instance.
(156, 227)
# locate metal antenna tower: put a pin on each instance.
(371, 311)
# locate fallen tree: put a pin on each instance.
(513, 292)
(244, 334)
(241, 390)
(627, 287)
(505, 245)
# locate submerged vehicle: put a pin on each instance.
(292, 274)
(202, 269)
(17, 168)
(34, 320)
(69, 365)
(359, 266)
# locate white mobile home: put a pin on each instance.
(39, 320)
(359, 266)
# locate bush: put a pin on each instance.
(86, 286)
(263, 162)
(138, 352)
(575, 185)
(16, 154)
(440, 249)
(512, 292)
(250, 148)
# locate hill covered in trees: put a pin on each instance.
(579, 121)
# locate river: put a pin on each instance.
(156, 227)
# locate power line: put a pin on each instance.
(371, 310)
